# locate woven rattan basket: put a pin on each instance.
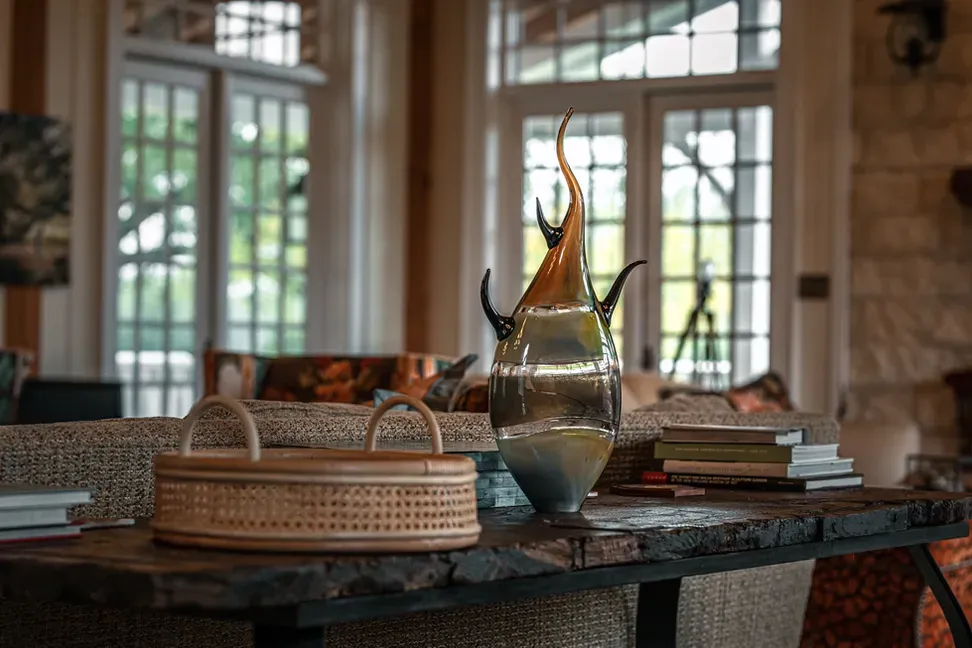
(314, 499)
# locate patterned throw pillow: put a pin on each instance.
(236, 375)
(472, 397)
(345, 379)
(436, 391)
(765, 394)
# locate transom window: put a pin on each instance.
(262, 31)
(672, 172)
(549, 41)
(280, 32)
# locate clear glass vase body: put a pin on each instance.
(555, 403)
(555, 383)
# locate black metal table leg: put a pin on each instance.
(957, 621)
(283, 637)
(657, 620)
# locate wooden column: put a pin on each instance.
(419, 250)
(28, 77)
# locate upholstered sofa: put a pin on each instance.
(753, 608)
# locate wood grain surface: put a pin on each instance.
(125, 568)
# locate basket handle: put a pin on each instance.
(249, 428)
(423, 409)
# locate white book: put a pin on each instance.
(752, 469)
(733, 434)
(38, 517)
(30, 496)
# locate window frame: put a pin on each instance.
(148, 72)
(651, 192)
(285, 92)
(813, 167)
(177, 62)
(637, 100)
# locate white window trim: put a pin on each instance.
(812, 135)
(226, 85)
(123, 51)
(649, 197)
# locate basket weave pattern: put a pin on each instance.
(316, 499)
(313, 509)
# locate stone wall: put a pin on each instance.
(911, 242)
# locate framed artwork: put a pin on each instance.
(35, 200)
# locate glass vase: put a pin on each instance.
(555, 383)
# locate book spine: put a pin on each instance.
(739, 468)
(726, 481)
(723, 452)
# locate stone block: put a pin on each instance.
(938, 146)
(873, 107)
(955, 60)
(890, 149)
(907, 321)
(934, 406)
(955, 237)
(889, 404)
(895, 364)
(954, 279)
(895, 235)
(878, 194)
(933, 190)
(893, 277)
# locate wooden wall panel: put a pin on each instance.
(418, 301)
(28, 43)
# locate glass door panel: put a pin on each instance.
(716, 220)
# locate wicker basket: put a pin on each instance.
(314, 500)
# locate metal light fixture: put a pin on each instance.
(916, 32)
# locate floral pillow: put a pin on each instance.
(436, 391)
(348, 379)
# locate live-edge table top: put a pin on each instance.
(125, 568)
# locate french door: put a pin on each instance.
(160, 238)
(686, 183)
(710, 237)
(210, 237)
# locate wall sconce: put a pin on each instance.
(916, 32)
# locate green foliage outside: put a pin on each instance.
(158, 226)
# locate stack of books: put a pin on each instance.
(749, 457)
(29, 512)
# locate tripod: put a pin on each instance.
(710, 355)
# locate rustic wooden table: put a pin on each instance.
(615, 541)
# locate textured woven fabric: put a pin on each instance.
(752, 608)
(115, 458)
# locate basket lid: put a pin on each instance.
(313, 461)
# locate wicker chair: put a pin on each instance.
(760, 607)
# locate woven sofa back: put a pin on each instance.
(739, 609)
(115, 457)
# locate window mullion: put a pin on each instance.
(139, 206)
(282, 260)
(256, 156)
